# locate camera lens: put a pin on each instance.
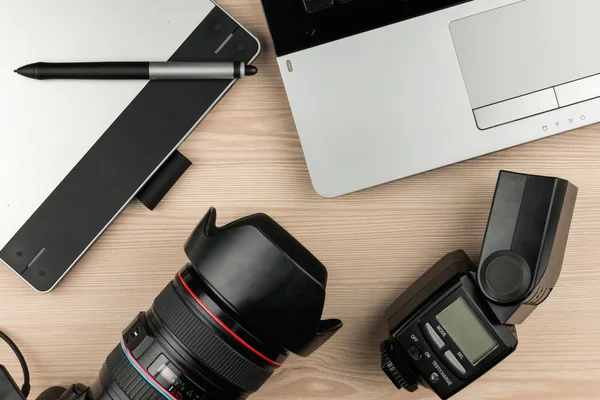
(186, 346)
(250, 295)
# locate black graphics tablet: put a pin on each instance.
(73, 154)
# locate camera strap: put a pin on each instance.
(8, 388)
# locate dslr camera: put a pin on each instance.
(458, 320)
(250, 295)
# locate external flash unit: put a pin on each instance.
(458, 320)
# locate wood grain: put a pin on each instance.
(247, 158)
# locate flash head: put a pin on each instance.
(524, 244)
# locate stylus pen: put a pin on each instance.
(138, 70)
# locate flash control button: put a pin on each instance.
(415, 352)
(455, 363)
(434, 336)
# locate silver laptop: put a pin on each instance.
(382, 90)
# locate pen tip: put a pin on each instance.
(28, 71)
(251, 70)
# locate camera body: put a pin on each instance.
(457, 321)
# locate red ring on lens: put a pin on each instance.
(222, 324)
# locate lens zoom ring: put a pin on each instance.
(128, 379)
(206, 345)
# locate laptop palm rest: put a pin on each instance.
(517, 61)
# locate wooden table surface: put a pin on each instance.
(247, 159)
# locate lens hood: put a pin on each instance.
(270, 282)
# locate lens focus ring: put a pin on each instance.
(204, 342)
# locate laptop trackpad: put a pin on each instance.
(528, 51)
